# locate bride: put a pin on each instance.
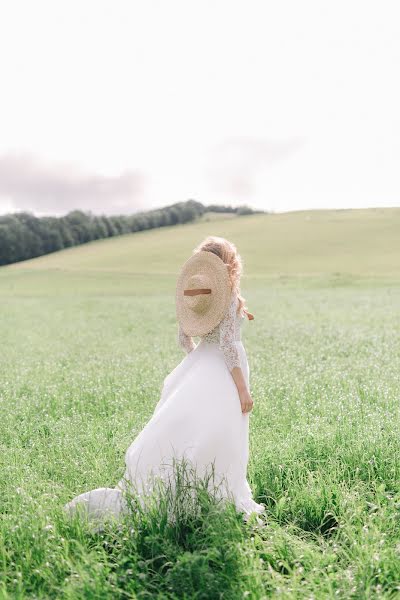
(203, 411)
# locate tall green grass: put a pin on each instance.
(83, 356)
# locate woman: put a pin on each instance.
(203, 412)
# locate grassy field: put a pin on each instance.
(87, 337)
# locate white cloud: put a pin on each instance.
(57, 188)
(235, 163)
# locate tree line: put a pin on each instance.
(24, 236)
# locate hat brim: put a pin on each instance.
(215, 269)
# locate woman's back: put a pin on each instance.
(225, 334)
(228, 327)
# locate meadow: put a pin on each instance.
(88, 335)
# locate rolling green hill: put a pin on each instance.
(342, 245)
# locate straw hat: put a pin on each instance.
(203, 293)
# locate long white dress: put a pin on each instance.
(198, 417)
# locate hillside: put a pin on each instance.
(334, 243)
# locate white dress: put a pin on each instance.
(198, 417)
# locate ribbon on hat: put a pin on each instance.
(196, 291)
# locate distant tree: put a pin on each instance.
(66, 233)
(219, 208)
(158, 218)
(120, 224)
(52, 237)
(99, 228)
(22, 235)
(244, 210)
(31, 244)
(11, 235)
(80, 226)
(173, 214)
(108, 226)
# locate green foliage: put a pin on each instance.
(24, 236)
(184, 542)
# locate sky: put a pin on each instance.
(118, 106)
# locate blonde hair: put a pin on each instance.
(228, 253)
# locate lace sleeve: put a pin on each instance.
(227, 337)
(185, 341)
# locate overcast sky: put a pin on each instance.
(115, 106)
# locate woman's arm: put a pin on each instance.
(246, 400)
(231, 355)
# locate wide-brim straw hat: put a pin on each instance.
(203, 293)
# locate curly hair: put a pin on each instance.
(228, 253)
